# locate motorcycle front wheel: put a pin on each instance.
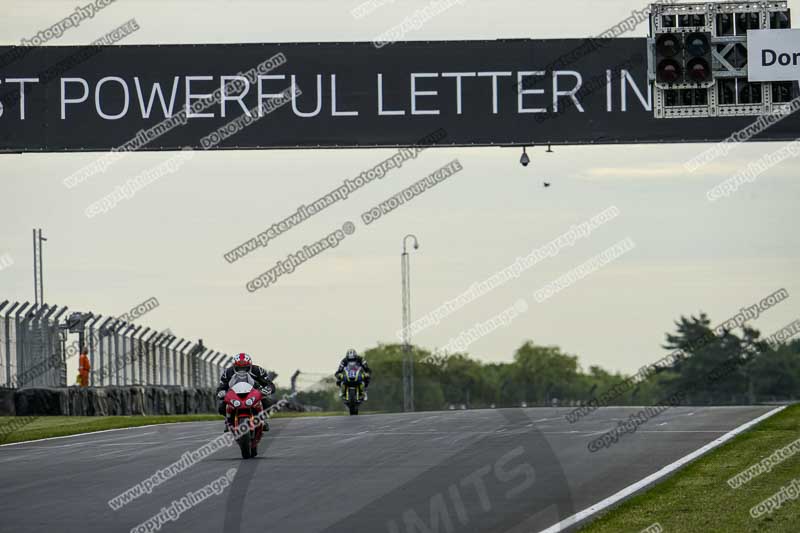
(352, 404)
(245, 446)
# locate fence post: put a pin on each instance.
(109, 369)
(181, 363)
(113, 375)
(112, 362)
(160, 369)
(158, 363)
(167, 362)
(61, 346)
(152, 343)
(163, 359)
(23, 338)
(173, 358)
(8, 345)
(122, 355)
(44, 368)
(206, 367)
(182, 357)
(189, 364)
(140, 345)
(49, 353)
(220, 363)
(212, 366)
(150, 360)
(52, 378)
(2, 359)
(127, 355)
(132, 353)
(103, 331)
(190, 377)
(195, 364)
(198, 367)
(175, 366)
(90, 345)
(36, 342)
(19, 346)
(22, 346)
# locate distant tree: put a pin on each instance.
(775, 372)
(713, 368)
(546, 373)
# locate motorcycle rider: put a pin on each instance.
(349, 357)
(244, 363)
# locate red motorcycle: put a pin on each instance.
(244, 409)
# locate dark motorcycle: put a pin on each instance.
(353, 386)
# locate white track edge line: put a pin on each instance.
(627, 491)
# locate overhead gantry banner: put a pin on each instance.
(341, 95)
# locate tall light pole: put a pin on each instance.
(38, 271)
(408, 359)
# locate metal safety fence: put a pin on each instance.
(36, 341)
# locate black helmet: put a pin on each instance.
(351, 355)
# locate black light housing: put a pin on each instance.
(698, 57)
(668, 51)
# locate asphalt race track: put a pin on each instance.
(484, 470)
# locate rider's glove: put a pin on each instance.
(221, 394)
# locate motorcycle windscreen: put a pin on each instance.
(242, 388)
(241, 377)
(353, 370)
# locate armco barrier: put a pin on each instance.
(107, 401)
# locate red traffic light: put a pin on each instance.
(669, 71)
(699, 70)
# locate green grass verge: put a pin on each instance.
(698, 499)
(25, 428)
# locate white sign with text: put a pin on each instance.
(773, 55)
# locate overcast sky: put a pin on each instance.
(167, 242)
